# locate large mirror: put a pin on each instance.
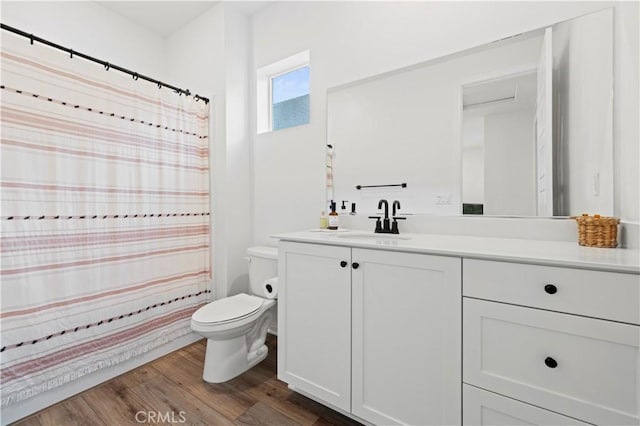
(519, 127)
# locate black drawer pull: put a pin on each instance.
(355, 265)
(551, 289)
(343, 264)
(550, 362)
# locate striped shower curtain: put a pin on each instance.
(105, 217)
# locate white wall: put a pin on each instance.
(239, 184)
(509, 165)
(91, 29)
(473, 170)
(352, 40)
(472, 159)
(626, 112)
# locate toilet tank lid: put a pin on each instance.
(263, 251)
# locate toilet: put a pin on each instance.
(236, 326)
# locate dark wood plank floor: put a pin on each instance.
(170, 390)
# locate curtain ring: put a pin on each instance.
(31, 38)
(107, 66)
(135, 76)
(159, 85)
(71, 53)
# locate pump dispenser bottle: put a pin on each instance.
(333, 217)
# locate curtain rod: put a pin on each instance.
(105, 64)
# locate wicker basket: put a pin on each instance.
(597, 231)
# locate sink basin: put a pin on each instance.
(373, 236)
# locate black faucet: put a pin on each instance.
(394, 225)
(386, 228)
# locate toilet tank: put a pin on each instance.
(263, 264)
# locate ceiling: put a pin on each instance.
(166, 17)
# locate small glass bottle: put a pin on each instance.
(324, 220)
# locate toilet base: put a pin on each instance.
(227, 359)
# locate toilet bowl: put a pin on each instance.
(236, 326)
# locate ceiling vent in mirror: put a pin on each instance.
(490, 92)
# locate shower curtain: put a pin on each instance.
(105, 217)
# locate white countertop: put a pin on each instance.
(555, 253)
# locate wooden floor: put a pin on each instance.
(170, 390)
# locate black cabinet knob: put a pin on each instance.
(343, 264)
(550, 362)
(551, 289)
(355, 265)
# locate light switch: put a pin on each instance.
(444, 199)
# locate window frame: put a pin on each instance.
(264, 88)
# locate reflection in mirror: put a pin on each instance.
(498, 146)
(519, 127)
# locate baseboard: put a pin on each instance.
(30, 406)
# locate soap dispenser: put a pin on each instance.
(333, 217)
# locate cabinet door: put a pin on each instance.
(314, 321)
(482, 408)
(406, 338)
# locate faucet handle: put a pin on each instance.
(378, 224)
(394, 225)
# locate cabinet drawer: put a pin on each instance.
(581, 367)
(489, 409)
(607, 295)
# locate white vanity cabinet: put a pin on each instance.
(432, 329)
(378, 337)
(523, 340)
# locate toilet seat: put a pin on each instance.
(228, 309)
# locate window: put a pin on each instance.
(290, 99)
(283, 93)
